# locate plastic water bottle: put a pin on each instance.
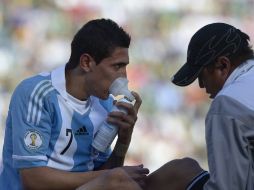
(107, 132)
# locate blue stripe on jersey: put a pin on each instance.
(107, 104)
(82, 129)
(28, 164)
(57, 123)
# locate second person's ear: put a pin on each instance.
(224, 65)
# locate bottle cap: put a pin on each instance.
(120, 87)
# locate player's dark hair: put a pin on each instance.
(98, 38)
(245, 52)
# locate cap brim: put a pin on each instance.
(186, 75)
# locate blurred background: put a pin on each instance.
(35, 36)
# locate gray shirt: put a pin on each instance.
(230, 133)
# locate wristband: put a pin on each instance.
(199, 181)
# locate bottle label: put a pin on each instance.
(105, 137)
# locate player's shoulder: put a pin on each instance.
(107, 104)
(34, 84)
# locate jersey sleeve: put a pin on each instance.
(227, 153)
(31, 124)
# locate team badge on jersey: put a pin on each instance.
(33, 140)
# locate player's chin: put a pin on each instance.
(212, 96)
(104, 96)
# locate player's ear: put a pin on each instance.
(224, 65)
(86, 62)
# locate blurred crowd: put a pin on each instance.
(35, 36)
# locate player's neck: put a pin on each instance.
(72, 79)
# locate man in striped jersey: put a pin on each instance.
(54, 116)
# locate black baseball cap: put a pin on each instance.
(205, 46)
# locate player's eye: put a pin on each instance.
(119, 66)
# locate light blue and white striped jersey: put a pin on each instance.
(47, 127)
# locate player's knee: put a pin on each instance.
(189, 160)
(183, 162)
(179, 166)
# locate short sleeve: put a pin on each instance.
(31, 124)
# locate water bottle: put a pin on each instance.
(107, 132)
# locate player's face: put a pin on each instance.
(107, 71)
(212, 80)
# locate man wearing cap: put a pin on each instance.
(220, 56)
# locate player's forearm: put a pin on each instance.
(48, 178)
(117, 157)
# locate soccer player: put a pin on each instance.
(54, 116)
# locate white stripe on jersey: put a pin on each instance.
(1, 165)
(64, 161)
(37, 98)
(35, 102)
(40, 104)
(30, 158)
(31, 98)
(97, 115)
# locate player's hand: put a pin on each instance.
(124, 121)
(114, 179)
(137, 173)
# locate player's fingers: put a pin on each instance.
(138, 101)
